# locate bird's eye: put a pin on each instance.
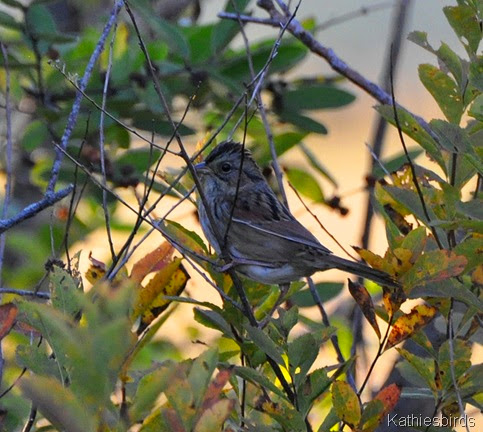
(226, 167)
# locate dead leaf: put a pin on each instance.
(96, 270)
(409, 323)
(215, 388)
(364, 301)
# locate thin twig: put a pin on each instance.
(72, 119)
(107, 113)
(258, 97)
(9, 158)
(364, 10)
(102, 148)
(31, 210)
(319, 221)
(325, 320)
(411, 165)
(9, 179)
(451, 365)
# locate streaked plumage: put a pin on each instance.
(263, 238)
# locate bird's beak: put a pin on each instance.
(201, 167)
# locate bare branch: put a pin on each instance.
(102, 149)
(72, 120)
(296, 29)
(32, 209)
(25, 293)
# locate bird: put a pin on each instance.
(264, 241)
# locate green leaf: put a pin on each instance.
(315, 163)
(314, 97)
(224, 31)
(302, 122)
(199, 38)
(330, 420)
(434, 266)
(412, 128)
(255, 377)
(139, 159)
(58, 404)
(10, 22)
(316, 383)
(200, 374)
(64, 292)
(165, 31)
(412, 204)
(476, 110)
(188, 239)
(305, 183)
(147, 121)
(264, 343)
(346, 403)
(476, 73)
(445, 54)
(472, 249)
(302, 352)
(326, 290)
(35, 135)
(38, 362)
(148, 391)
(460, 363)
(394, 163)
(446, 289)
(288, 55)
(282, 142)
(214, 320)
(444, 90)
(423, 366)
(465, 24)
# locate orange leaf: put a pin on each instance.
(389, 397)
(410, 323)
(215, 388)
(364, 301)
(8, 315)
(151, 262)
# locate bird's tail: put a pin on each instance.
(361, 270)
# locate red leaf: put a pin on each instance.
(152, 262)
(8, 315)
(389, 396)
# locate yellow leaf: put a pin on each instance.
(169, 281)
(96, 270)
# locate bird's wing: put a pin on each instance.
(261, 225)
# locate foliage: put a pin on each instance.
(92, 358)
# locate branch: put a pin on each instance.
(32, 209)
(72, 120)
(296, 29)
(25, 293)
